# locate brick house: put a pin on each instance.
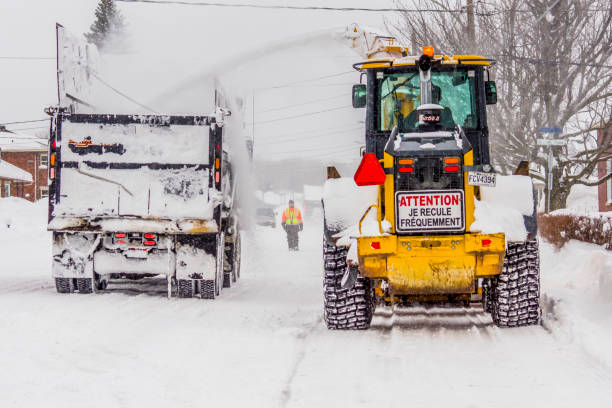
(604, 168)
(11, 175)
(30, 154)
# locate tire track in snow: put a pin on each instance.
(302, 337)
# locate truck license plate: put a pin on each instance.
(430, 210)
(476, 178)
(139, 253)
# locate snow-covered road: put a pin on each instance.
(264, 344)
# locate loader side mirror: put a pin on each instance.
(491, 92)
(359, 96)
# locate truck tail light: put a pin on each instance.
(407, 169)
(486, 242)
(375, 245)
(451, 169)
(149, 243)
(52, 173)
(120, 235)
(451, 160)
(149, 236)
(217, 177)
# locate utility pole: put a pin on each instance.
(471, 30)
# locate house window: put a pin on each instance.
(44, 159)
(609, 182)
(44, 192)
(7, 189)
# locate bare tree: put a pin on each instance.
(553, 69)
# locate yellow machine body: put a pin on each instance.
(429, 264)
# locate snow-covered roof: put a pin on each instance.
(11, 172)
(12, 141)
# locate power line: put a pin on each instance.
(121, 93)
(301, 104)
(302, 115)
(24, 121)
(302, 81)
(286, 7)
(27, 58)
(311, 131)
(315, 136)
(552, 62)
(323, 149)
(340, 9)
(28, 128)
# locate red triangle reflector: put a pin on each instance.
(369, 172)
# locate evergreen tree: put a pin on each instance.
(109, 26)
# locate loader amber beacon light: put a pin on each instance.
(369, 172)
(429, 51)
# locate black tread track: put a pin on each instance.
(227, 280)
(64, 285)
(208, 289)
(344, 309)
(516, 292)
(84, 285)
(185, 288)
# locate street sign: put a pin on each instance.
(551, 142)
(550, 130)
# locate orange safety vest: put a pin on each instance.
(292, 216)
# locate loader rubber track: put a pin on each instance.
(350, 309)
(516, 292)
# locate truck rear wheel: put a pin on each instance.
(186, 288)
(64, 285)
(515, 293)
(232, 260)
(208, 289)
(345, 309)
(84, 285)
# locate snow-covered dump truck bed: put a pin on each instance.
(141, 195)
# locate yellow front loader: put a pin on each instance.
(426, 161)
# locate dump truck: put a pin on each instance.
(135, 196)
(430, 197)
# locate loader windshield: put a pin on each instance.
(399, 96)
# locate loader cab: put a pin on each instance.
(459, 85)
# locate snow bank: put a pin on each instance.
(345, 202)
(576, 282)
(25, 243)
(18, 214)
(492, 219)
(512, 192)
(502, 207)
(582, 199)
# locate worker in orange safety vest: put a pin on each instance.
(292, 224)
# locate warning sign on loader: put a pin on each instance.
(422, 211)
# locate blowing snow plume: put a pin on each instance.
(108, 31)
